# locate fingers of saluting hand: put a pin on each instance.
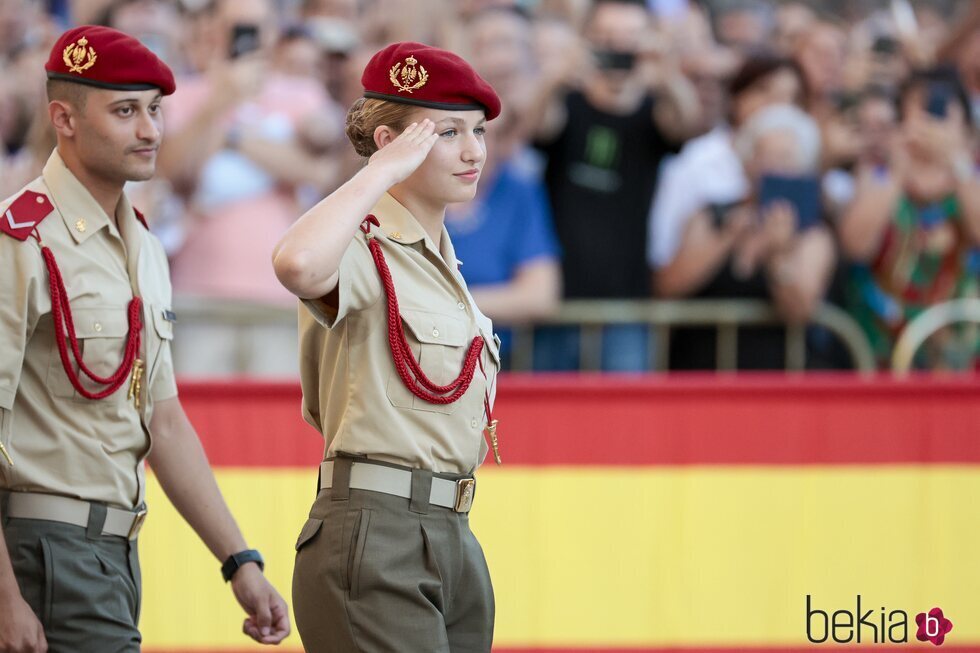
(418, 130)
(403, 155)
(419, 133)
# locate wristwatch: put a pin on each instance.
(236, 560)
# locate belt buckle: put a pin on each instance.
(138, 520)
(465, 489)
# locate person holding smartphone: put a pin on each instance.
(249, 139)
(606, 117)
(913, 227)
(398, 369)
(769, 244)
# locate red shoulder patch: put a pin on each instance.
(139, 216)
(24, 214)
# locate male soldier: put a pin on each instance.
(86, 378)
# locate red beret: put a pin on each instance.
(107, 58)
(419, 74)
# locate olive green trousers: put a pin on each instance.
(380, 573)
(83, 586)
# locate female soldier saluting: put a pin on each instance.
(398, 368)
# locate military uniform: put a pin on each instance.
(58, 442)
(386, 560)
(71, 465)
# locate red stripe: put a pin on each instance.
(766, 419)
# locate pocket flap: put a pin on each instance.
(493, 346)
(434, 328)
(164, 327)
(100, 322)
(310, 529)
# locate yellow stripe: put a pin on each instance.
(635, 556)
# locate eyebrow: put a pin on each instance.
(156, 98)
(460, 122)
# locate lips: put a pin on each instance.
(468, 175)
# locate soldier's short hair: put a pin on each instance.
(69, 92)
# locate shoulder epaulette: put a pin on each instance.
(139, 216)
(25, 213)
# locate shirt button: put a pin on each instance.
(474, 423)
(435, 333)
(98, 326)
(461, 306)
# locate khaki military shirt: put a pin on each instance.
(61, 442)
(352, 393)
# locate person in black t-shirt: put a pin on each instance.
(604, 142)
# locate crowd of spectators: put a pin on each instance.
(796, 152)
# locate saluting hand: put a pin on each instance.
(403, 155)
(268, 617)
(20, 630)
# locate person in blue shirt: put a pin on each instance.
(505, 239)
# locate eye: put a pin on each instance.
(125, 111)
(154, 109)
(480, 131)
(449, 133)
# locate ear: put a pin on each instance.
(383, 134)
(63, 118)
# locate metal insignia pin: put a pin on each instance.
(80, 225)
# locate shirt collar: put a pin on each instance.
(400, 226)
(82, 214)
(397, 222)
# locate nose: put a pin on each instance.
(475, 150)
(148, 127)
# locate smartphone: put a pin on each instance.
(719, 212)
(937, 99)
(885, 45)
(803, 194)
(244, 39)
(614, 60)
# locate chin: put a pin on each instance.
(140, 173)
(462, 195)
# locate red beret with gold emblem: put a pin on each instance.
(426, 76)
(107, 58)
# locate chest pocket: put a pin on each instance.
(101, 333)
(439, 343)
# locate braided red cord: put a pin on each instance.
(408, 368)
(61, 312)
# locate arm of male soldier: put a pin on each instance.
(180, 464)
(20, 629)
(308, 256)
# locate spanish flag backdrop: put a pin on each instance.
(655, 514)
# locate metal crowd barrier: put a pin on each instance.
(727, 316)
(927, 323)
